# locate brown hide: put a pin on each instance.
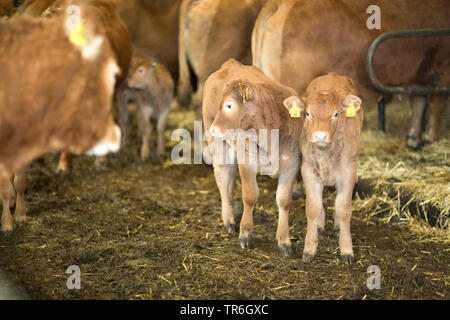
(103, 11)
(51, 98)
(211, 32)
(317, 37)
(6, 8)
(153, 27)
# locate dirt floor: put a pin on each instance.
(153, 231)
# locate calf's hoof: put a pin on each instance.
(307, 257)
(20, 219)
(347, 258)
(320, 230)
(7, 233)
(246, 243)
(413, 143)
(286, 250)
(230, 228)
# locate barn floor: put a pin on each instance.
(153, 231)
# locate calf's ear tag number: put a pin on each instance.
(77, 36)
(295, 111)
(351, 110)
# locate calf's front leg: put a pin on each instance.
(250, 195)
(343, 204)
(286, 183)
(20, 184)
(314, 211)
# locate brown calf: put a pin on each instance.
(153, 86)
(330, 145)
(62, 102)
(250, 107)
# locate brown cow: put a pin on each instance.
(62, 102)
(211, 32)
(330, 145)
(317, 37)
(117, 33)
(242, 97)
(153, 86)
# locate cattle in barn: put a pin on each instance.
(242, 97)
(295, 41)
(153, 88)
(55, 94)
(211, 32)
(329, 144)
(117, 33)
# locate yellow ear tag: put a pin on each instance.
(155, 65)
(245, 97)
(351, 110)
(295, 111)
(76, 36)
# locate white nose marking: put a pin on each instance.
(320, 135)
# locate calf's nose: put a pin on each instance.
(215, 132)
(320, 136)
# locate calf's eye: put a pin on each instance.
(308, 114)
(335, 114)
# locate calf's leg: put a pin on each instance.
(343, 215)
(145, 129)
(286, 183)
(314, 211)
(250, 194)
(20, 184)
(161, 128)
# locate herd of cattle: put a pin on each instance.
(307, 80)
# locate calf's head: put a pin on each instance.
(236, 109)
(143, 73)
(322, 111)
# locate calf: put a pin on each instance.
(251, 106)
(153, 86)
(330, 145)
(60, 98)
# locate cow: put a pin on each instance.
(153, 89)
(244, 99)
(295, 41)
(104, 11)
(211, 32)
(55, 94)
(329, 144)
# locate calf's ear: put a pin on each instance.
(294, 102)
(244, 90)
(349, 100)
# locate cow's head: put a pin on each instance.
(322, 112)
(235, 108)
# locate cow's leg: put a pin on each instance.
(286, 183)
(6, 191)
(65, 161)
(343, 215)
(436, 105)
(161, 128)
(250, 194)
(314, 211)
(145, 129)
(20, 184)
(197, 99)
(418, 104)
(124, 115)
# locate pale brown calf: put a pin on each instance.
(330, 145)
(153, 89)
(250, 106)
